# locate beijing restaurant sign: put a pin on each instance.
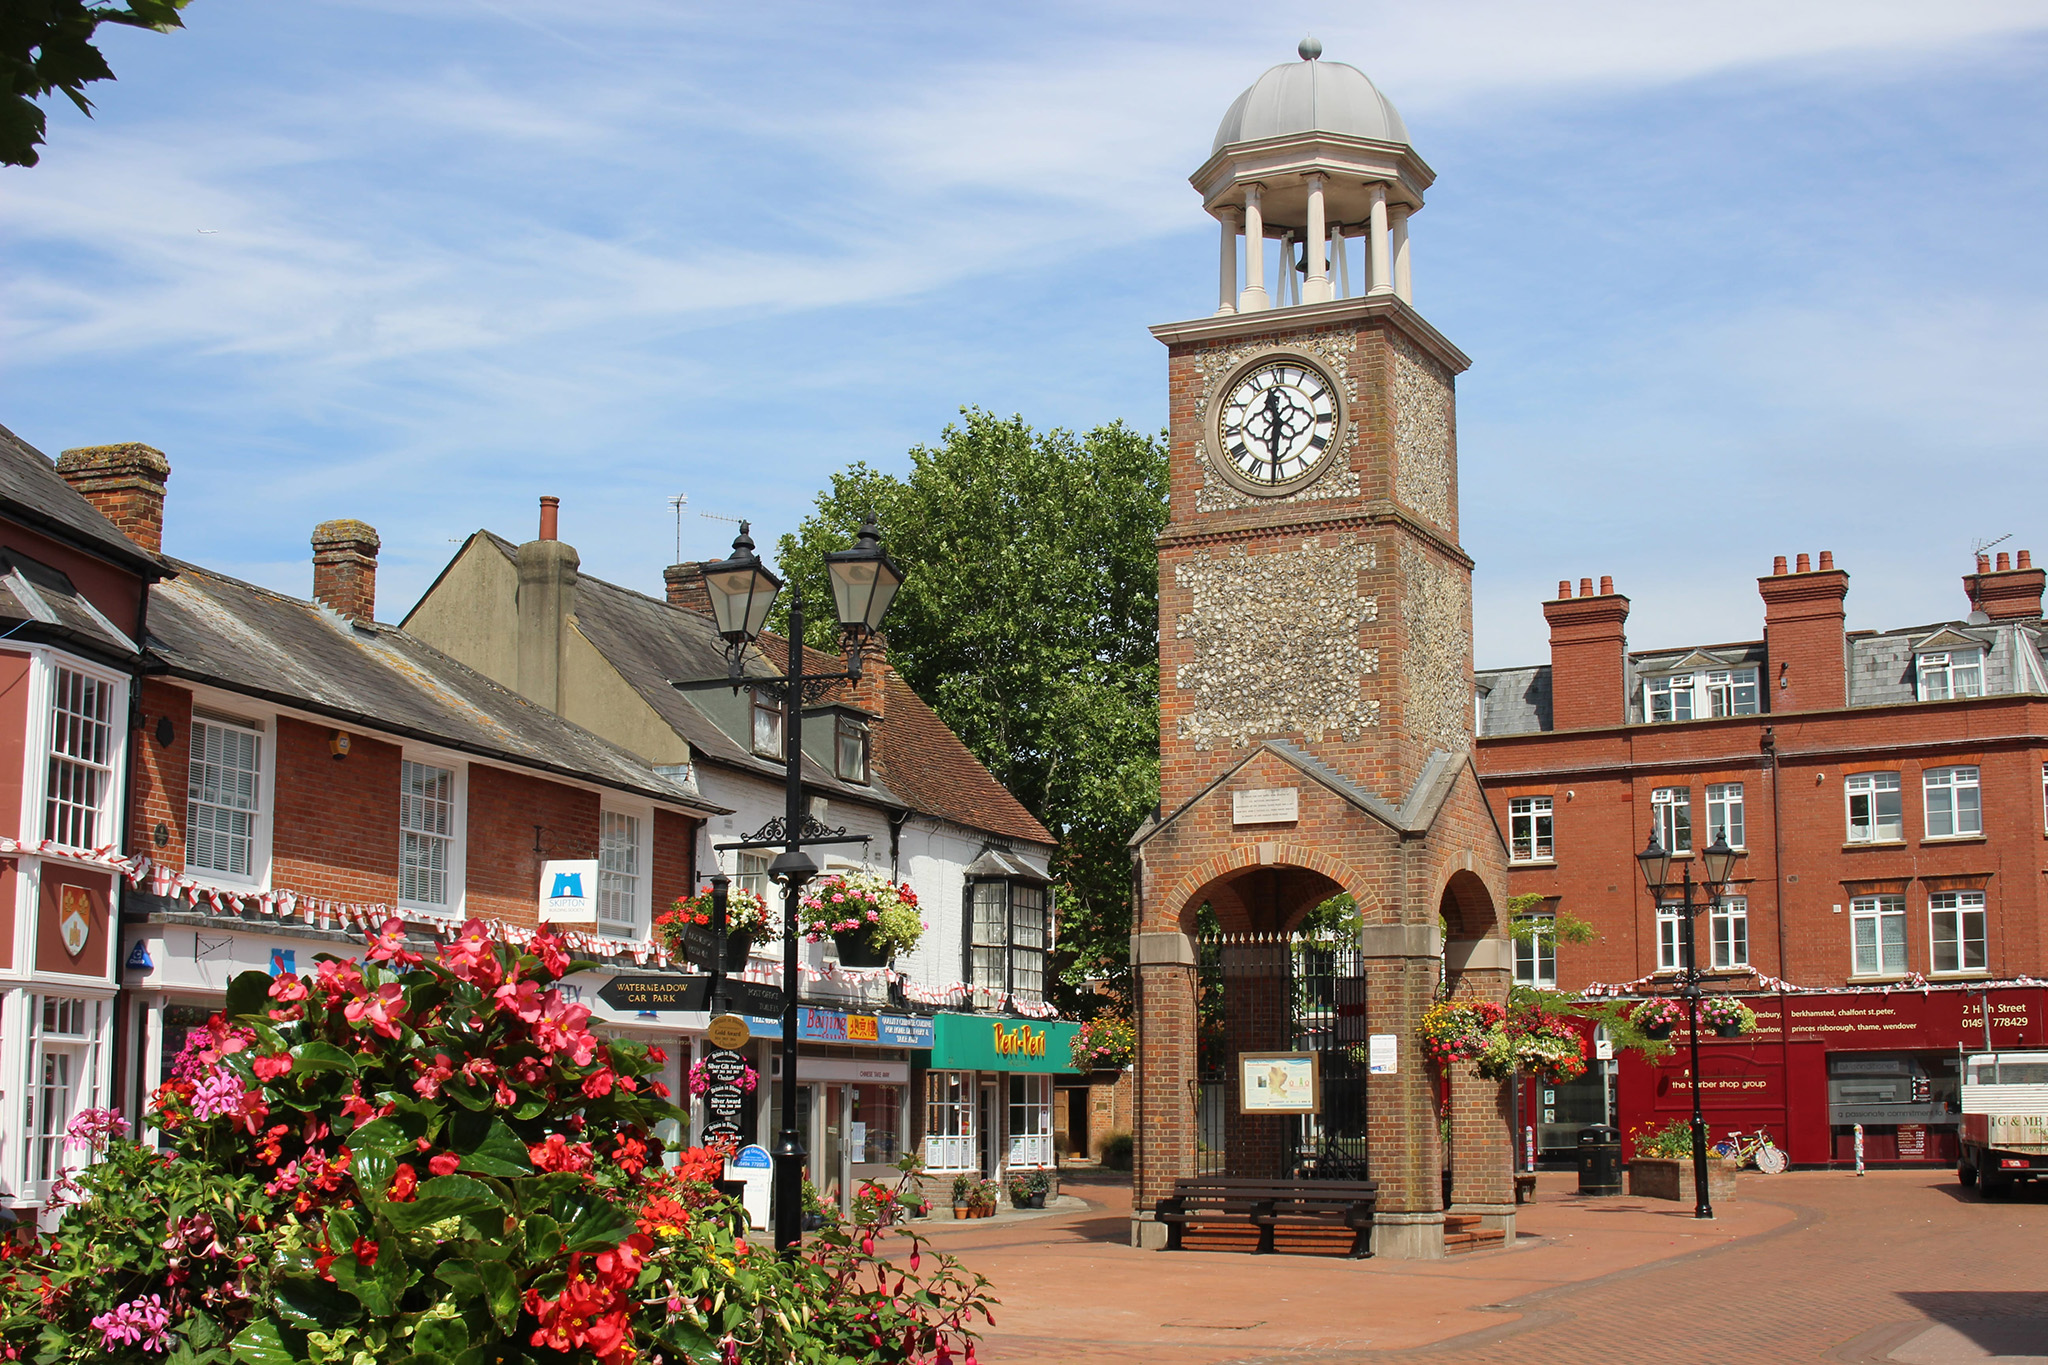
(979, 1042)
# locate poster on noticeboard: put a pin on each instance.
(1278, 1083)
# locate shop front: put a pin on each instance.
(853, 1076)
(988, 1097)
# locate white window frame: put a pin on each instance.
(641, 888)
(1535, 815)
(1725, 688)
(1664, 801)
(1029, 1102)
(1870, 787)
(1958, 908)
(1675, 691)
(1700, 693)
(1725, 814)
(1670, 939)
(759, 705)
(1949, 674)
(1536, 956)
(1957, 794)
(1882, 913)
(988, 937)
(949, 1136)
(42, 755)
(845, 730)
(750, 873)
(259, 734)
(89, 1048)
(458, 830)
(1729, 932)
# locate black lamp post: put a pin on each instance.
(743, 591)
(1717, 861)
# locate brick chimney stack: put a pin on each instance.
(345, 568)
(1586, 648)
(1804, 640)
(125, 483)
(2010, 592)
(685, 582)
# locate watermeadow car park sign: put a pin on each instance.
(980, 1042)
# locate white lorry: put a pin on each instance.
(2005, 1120)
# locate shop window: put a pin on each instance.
(426, 831)
(1954, 803)
(1956, 922)
(1009, 938)
(1730, 927)
(1671, 814)
(1948, 674)
(81, 766)
(1030, 1121)
(64, 1076)
(1874, 812)
(223, 798)
(1724, 813)
(767, 713)
(852, 749)
(1536, 953)
(1670, 939)
(1877, 925)
(877, 1119)
(1529, 828)
(949, 1120)
(621, 873)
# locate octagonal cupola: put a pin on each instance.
(1313, 158)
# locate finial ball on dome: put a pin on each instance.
(1311, 48)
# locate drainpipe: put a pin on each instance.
(1768, 741)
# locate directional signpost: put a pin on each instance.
(656, 994)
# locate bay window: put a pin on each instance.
(1010, 933)
(949, 1120)
(80, 782)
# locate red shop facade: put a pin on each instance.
(1818, 1064)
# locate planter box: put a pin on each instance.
(1656, 1177)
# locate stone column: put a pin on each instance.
(1226, 263)
(1253, 297)
(1381, 273)
(1397, 222)
(1482, 1126)
(1400, 962)
(1317, 287)
(1164, 1125)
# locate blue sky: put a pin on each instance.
(1738, 279)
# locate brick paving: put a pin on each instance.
(1899, 1266)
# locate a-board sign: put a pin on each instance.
(659, 994)
(728, 1031)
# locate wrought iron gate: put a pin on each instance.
(1281, 993)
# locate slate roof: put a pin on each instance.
(31, 590)
(210, 628)
(32, 491)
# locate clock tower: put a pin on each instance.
(1316, 692)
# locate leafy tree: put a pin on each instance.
(47, 45)
(1029, 621)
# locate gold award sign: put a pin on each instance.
(1278, 1083)
(728, 1032)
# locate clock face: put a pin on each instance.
(1278, 423)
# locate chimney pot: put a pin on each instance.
(1564, 588)
(1778, 564)
(550, 509)
(1607, 585)
(1827, 560)
(1585, 587)
(1805, 564)
(1983, 563)
(345, 568)
(685, 583)
(125, 484)
(2026, 559)
(2004, 561)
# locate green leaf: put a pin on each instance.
(314, 1305)
(321, 1057)
(261, 1343)
(248, 993)
(602, 1224)
(488, 1146)
(441, 1337)
(543, 1239)
(379, 1288)
(444, 1196)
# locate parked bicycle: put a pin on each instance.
(1755, 1149)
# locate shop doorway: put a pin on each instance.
(985, 1124)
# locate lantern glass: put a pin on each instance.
(864, 581)
(1717, 861)
(1656, 866)
(742, 591)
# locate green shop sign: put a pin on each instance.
(980, 1042)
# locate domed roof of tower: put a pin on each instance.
(1311, 96)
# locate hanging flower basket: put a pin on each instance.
(1459, 1031)
(868, 917)
(747, 923)
(1728, 1017)
(1105, 1043)
(1657, 1018)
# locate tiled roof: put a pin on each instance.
(920, 759)
(211, 628)
(33, 491)
(31, 590)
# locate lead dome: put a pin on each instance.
(1311, 96)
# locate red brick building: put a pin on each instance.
(1886, 792)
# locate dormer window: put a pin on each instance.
(1702, 692)
(1950, 673)
(851, 751)
(767, 725)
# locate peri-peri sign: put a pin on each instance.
(982, 1042)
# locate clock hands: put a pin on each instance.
(1277, 425)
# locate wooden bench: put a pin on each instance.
(1525, 1187)
(1206, 1203)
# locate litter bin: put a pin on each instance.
(1599, 1160)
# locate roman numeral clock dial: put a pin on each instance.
(1277, 425)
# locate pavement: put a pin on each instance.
(1903, 1267)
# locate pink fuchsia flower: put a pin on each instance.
(95, 1128)
(387, 944)
(136, 1322)
(218, 1095)
(385, 1010)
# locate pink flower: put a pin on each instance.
(287, 989)
(271, 1067)
(473, 957)
(429, 1083)
(444, 1163)
(560, 1029)
(521, 998)
(599, 1082)
(337, 979)
(138, 1321)
(549, 949)
(385, 1009)
(387, 944)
